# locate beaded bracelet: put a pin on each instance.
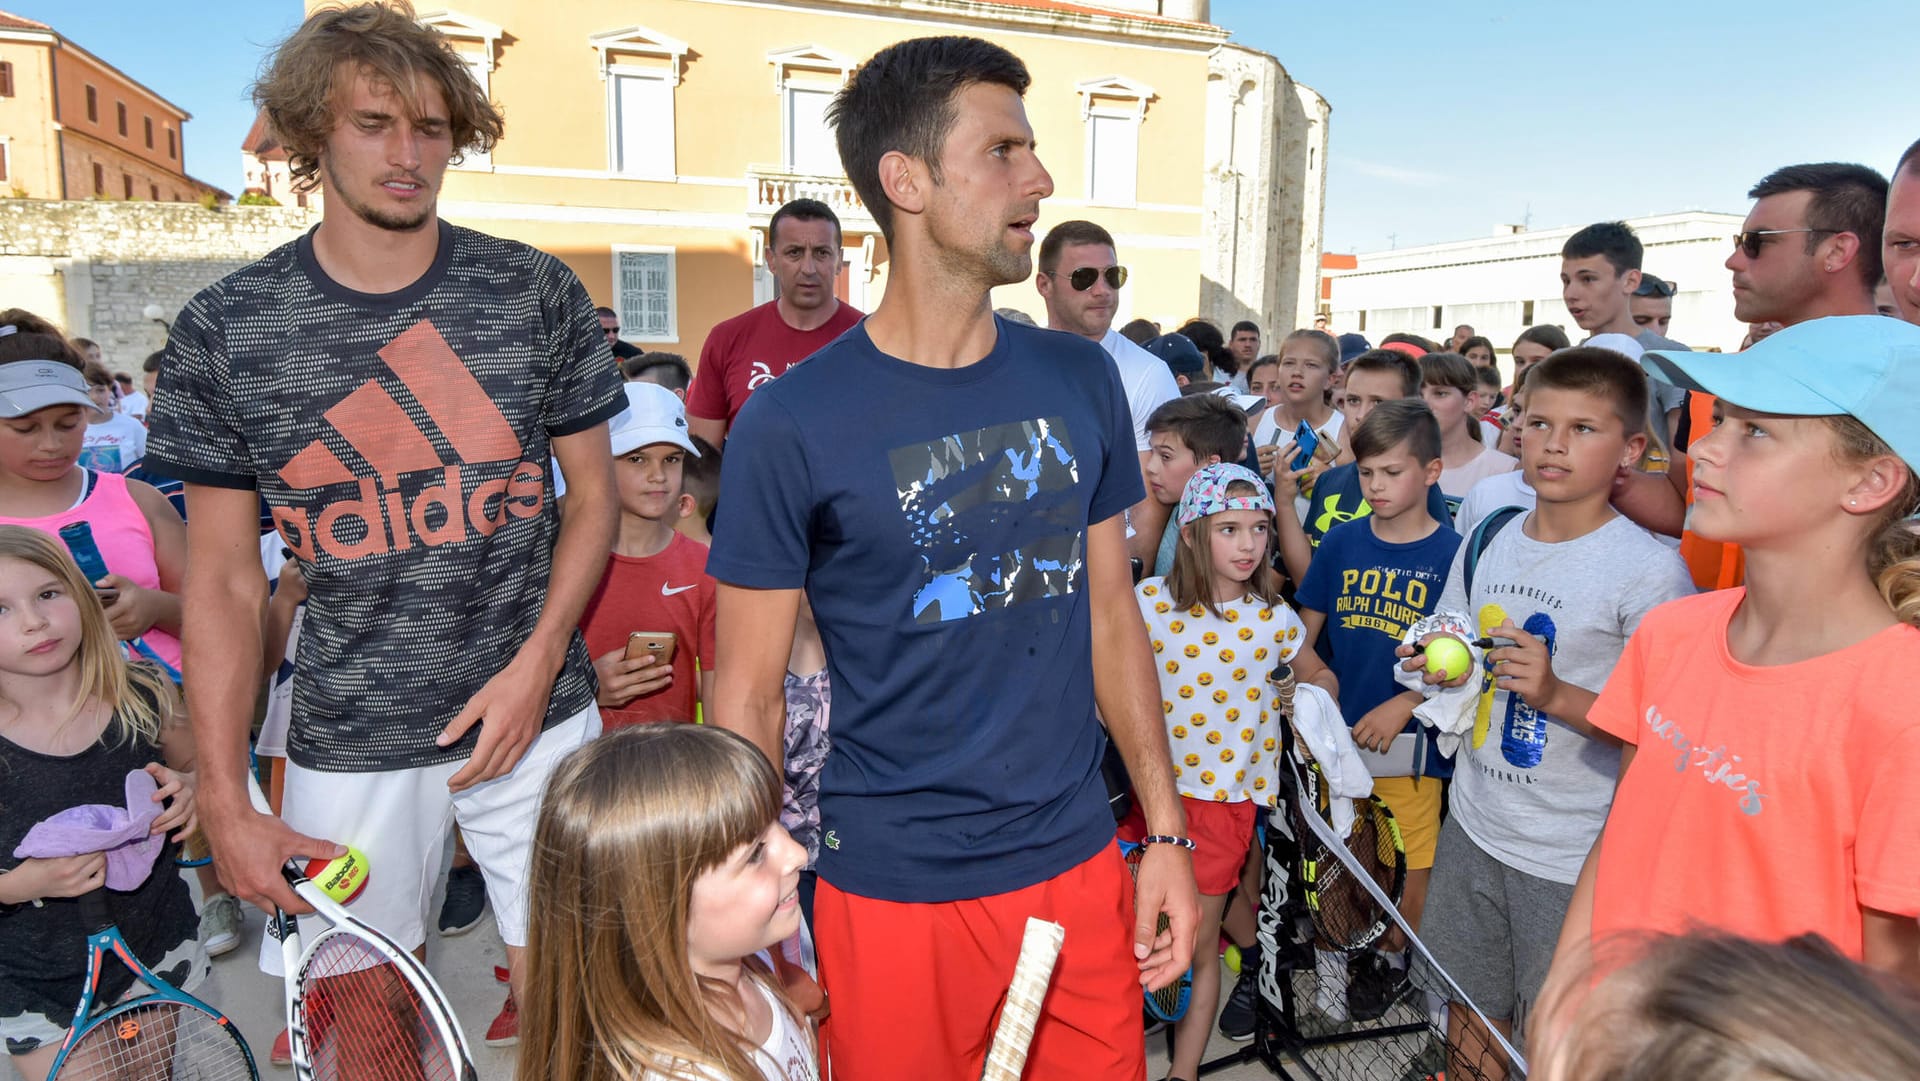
(1168, 839)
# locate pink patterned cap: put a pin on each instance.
(1207, 492)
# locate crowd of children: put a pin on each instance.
(1357, 506)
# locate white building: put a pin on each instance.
(1507, 282)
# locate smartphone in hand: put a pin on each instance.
(657, 645)
(1305, 442)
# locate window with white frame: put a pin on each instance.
(1113, 108)
(644, 288)
(640, 122)
(1113, 159)
(811, 149)
(641, 67)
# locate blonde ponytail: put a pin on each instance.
(1893, 555)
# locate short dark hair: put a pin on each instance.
(604, 312)
(1244, 324)
(1906, 159)
(1602, 373)
(1545, 334)
(1330, 349)
(1488, 376)
(1408, 421)
(1067, 234)
(1613, 239)
(802, 210)
(152, 363)
(670, 370)
(1265, 360)
(902, 99)
(1140, 331)
(1847, 198)
(1208, 424)
(1393, 362)
(700, 476)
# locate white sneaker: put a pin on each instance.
(220, 924)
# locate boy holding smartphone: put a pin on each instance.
(649, 625)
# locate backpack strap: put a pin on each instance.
(1479, 540)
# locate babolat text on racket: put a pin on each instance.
(161, 1036)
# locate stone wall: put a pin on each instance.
(93, 267)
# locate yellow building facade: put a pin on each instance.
(72, 126)
(650, 155)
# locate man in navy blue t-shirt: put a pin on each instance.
(947, 488)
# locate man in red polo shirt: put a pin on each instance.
(755, 347)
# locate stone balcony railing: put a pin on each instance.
(769, 187)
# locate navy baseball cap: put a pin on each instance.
(1352, 345)
(1863, 366)
(1179, 353)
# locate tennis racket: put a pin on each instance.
(1039, 949)
(359, 1007)
(1170, 1002)
(1343, 910)
(165, 1036)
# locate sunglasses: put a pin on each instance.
(611, 330)
(1655, 287)
(1753, 240)
(1083, 278)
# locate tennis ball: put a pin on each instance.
(1448, 657)
(341, 878)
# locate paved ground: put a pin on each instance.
(464, 968)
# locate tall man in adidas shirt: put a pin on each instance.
(394, 387)
(948, 487)
(1080, 278)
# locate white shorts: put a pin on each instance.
(400, 819)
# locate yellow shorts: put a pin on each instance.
(1415, 803)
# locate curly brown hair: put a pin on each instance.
(303, 80)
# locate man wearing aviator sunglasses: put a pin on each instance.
(1079, 278)
(1808, 247)
(1652, 304)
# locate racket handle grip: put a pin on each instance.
(94, 914)
(1039, 949)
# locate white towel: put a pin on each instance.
(1448, 710)
(1325, 733)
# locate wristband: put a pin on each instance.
(1167, 839)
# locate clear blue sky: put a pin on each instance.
(1447, 117)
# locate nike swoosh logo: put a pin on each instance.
(665, 592)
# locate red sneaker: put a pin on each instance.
(505, 1030)
(282, 1053)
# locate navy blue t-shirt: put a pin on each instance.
(1371, 591)
(938, 522)
(1337, 498)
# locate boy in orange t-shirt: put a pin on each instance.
(1770, 743)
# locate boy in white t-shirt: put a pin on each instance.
(1566, 584)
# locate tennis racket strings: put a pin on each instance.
(157, 1041)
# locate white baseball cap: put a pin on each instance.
(653, 414)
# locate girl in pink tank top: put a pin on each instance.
(43, 424)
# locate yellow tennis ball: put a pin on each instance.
(1448, 657)
(341, 878)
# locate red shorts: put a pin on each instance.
(1222, 835)
(915, 989)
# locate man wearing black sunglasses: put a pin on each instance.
(1652, 304)
(1080, 276)
(1807, 248)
